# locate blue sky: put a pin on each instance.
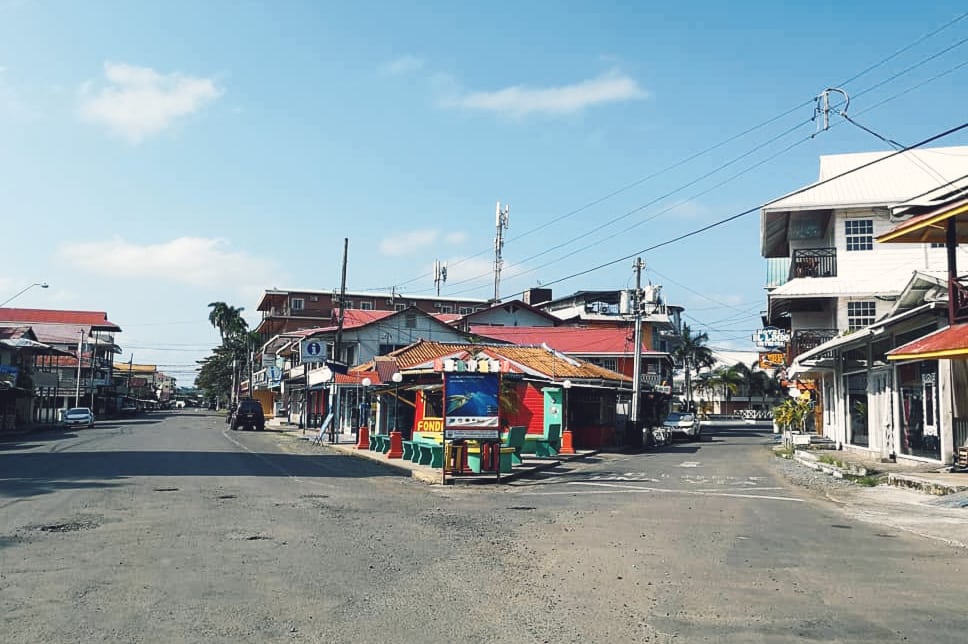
(158, 156)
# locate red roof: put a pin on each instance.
(354, 318)
(949, 342)
(94, 319)
(598, 341)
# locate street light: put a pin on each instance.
(363, 435)
(397, 378)
(567, 446)
(16, 295)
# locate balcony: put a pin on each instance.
(803, 340)
(814, 262)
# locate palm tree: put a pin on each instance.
(233, 331)
(693, 354)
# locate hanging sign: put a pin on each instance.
(771, 338)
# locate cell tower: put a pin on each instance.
(502, 223)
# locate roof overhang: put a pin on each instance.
(931, 227)
(949, 342)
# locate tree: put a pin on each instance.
(693, 354)
(235, 350)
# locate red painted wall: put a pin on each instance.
(531, 410)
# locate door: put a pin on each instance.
(880, 425)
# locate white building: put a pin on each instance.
(847, 300)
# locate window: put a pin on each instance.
(411, 321)
(366, 306)
(297, 303)
(349, 304)
(465, 310)
(860, 314)
(937, 245)
(399, 307)
(446, 308)
(859, 234)
(610, 363)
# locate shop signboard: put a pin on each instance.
(771, 338)
(772, 359)
(471, 405)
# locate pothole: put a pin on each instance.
(521, 507)
(226, 496)
(166, 489)
(257, 537)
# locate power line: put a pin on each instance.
(716, 146)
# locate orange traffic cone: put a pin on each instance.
(566, 446)
(396, 445)
(364, 440)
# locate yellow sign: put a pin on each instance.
(772, 360)
(430, 425)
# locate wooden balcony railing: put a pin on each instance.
(814, 262)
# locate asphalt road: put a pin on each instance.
(171, 528)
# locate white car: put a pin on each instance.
(78, 416)
(683, 424)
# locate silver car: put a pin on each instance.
(683, 424)
(78, 416)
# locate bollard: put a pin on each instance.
(396, 445)
(566, 446)
(364, 439)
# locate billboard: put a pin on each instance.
(471, 401)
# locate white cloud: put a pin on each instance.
(195, 261)
(408, 243)
(138, 102)
(455, 238)
(402, 65)
(519, 100)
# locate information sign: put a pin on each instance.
(312, 351)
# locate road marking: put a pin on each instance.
(615, 488)
(689, 464)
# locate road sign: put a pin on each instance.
(312, 351)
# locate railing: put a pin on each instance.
(814, 262)
(805, 339)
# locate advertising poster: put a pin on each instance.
(471, 401)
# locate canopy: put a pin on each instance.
(949, 342)
(931, 227)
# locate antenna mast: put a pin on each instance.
(440, 274)
(502, 223)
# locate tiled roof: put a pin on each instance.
(537, 361)
(353, 319)
(572, 340)
(92, 319)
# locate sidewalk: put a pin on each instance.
(433, 475)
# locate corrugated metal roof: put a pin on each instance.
(892, 181)
(602, 341)
(91, 319)
(949, 342)
(883, 284)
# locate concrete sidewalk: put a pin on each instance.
(346, 444)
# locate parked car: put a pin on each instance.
(78, 416)
(684, 424)
(248, 414)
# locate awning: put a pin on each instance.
(931, 227)
(949, 342)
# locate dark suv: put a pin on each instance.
(249, 414)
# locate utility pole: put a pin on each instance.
(93, 358)
(637, 366)
(440, 274)
(502, 223)
(77, 383)
(334, 392)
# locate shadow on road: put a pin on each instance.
(40, 473)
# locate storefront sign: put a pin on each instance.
(472, 434)
(772, 360)
(430, 425)
(771, 338)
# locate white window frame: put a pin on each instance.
(858, 320)
(366, 305)
(297, 304)
(858, 234)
